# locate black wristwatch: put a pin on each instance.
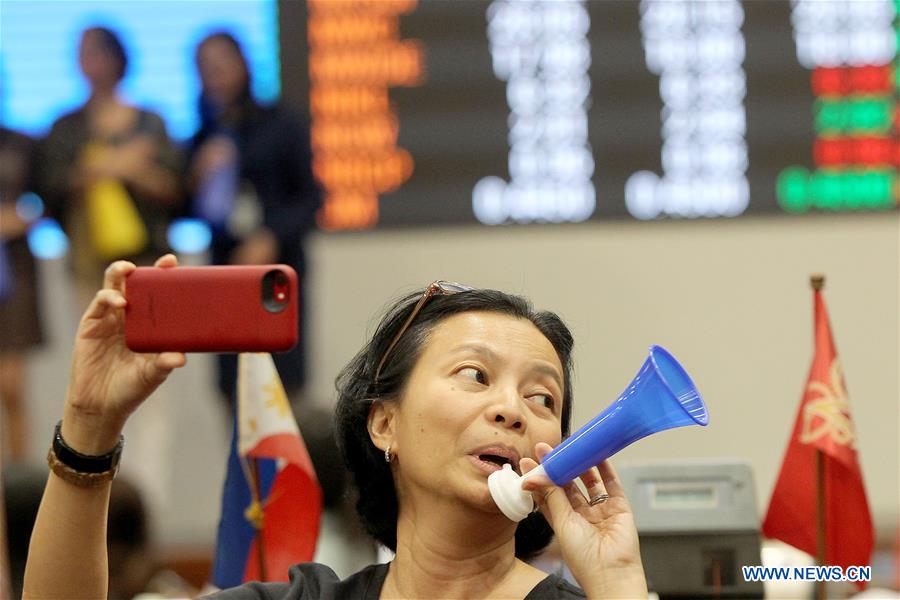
(84, 463)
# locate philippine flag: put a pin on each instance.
(272, 502)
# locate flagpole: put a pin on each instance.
(817, 281)
(820, 521)
(259, 524)
(254, 513)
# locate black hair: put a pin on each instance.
(377, 498)
(209, 113)
(112, 43)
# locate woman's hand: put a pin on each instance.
(133, 158)
(599, 543)
(108, 381)
(260, 248)
(213, 154)
(11, 225)
(124, 162)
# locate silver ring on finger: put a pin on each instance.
(598, 499)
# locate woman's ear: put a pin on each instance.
(382, 424)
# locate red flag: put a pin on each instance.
(272, 501)
(291, 509)
(823, 423)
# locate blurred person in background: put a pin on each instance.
(108, 140)
(256, 162)
(134, 567)
(20, 322)
(23, 485)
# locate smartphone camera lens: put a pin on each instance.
(276, 290)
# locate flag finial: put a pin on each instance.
(817, 281)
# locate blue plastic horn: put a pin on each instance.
(660, 397)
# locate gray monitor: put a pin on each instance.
(698, 526)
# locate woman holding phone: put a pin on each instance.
(455, 382)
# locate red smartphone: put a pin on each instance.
(212, 309)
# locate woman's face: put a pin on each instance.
(98, 64)
(485, 390)
(221, 72)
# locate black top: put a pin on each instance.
(274, 158)
(62, 150)
(314, 581)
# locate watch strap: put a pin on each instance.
(66, 473)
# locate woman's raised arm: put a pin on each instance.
(107, 382)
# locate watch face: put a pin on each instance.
(84, 463)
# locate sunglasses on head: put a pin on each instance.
(438, 288)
